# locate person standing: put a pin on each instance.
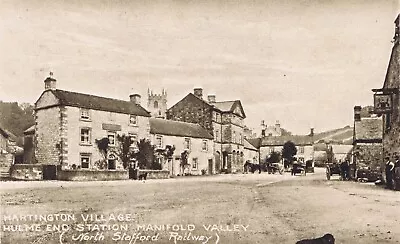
(389, 166)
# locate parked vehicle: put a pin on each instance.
(366, 174)
(332, 169)
(298, 168)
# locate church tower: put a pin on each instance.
(157, 104)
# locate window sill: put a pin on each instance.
(133, 125)
(85, 120)
(85, 144)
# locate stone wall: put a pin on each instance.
(27, 172)
(192, 110)
(92, 175)
(155, 174)
(368, 155)
(47, 136)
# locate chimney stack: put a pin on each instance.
(135, 98)
(211, 98)
(198, 92)
(50, 83)
(311, 131)
(357, 113)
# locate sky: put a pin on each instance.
(305, 63)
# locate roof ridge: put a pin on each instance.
(79, 93)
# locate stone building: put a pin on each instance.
(188, 138)
(157, 104)
(391, 92)
(304, 145)
(223, 119)
(67, 125)
(367, 141)
(7, 151)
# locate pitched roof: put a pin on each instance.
(30, 130)
(341, 149)
(229, 106)
(281, 140)
(7, 134)
(82, 100)
(223, 106)
(248, 145)
(255, 142)
(368, 129)
(177, 128)
(392, 79)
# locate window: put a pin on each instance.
(111, 138)
(85, 135)
(132, 119)
(133, 138)
(234, 137)
(271, 149)
(217, 135)
(85, 114)
(155, 104)
(186, 144)
(240, 139)
(204, 145)
(159, 141)
(85, 160)
(194, 163)
(301, 149)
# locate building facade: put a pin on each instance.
(193, 145)
(304, 146)
(224, 120)
(390, 94)
(367, 141)
(69, 123)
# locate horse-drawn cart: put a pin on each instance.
(332, 169)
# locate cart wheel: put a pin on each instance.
(328, 174)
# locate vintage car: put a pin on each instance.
(367, 174)
(331, 169)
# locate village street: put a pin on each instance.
(242, 208)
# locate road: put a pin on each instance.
(242, 208)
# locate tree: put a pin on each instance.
(274, 157)
(103, 146)
(289, 150)
(145, 155)
(125, 151)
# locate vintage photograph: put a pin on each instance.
(199, 121)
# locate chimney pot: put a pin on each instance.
(135, 98)
(198, 92)
(211, 99)
(50, 83)
(357, 113)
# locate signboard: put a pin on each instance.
(382, 103)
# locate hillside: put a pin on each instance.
(16, 117)
(341, 135)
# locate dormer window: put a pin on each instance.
(85, 114)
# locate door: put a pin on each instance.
(49, 172)
(210, 166)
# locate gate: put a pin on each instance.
(49, 172)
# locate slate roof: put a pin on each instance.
(248, 145)
(255, 142)
(177, 128)
(82, 100)
(341, 149)
(30, 130)
(7, 134)
(368, 129)
(223, 106)
(229, 106)
(280, 140)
